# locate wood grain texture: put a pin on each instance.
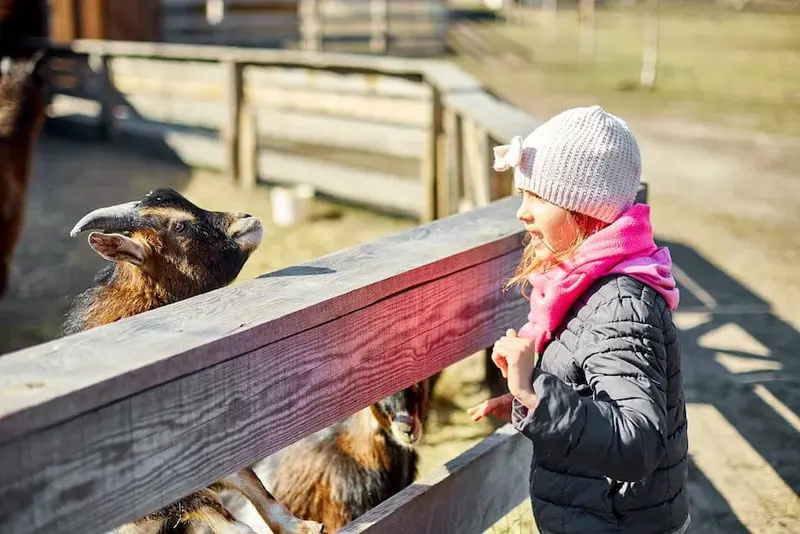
(380, 189)
(324, 81)
(174, 109)
(387, 65)
(389, 110)
(341, 132)
(468, 494)
(54, 381)
(499, 119)
(220, 382)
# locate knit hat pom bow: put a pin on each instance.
(507, 156)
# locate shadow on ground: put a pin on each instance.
(71, 178)
(740, 377)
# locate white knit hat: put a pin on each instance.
(583, 159)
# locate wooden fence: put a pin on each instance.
(407, 135)
(397, 27)
(102, 427)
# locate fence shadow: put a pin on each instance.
(739, 358)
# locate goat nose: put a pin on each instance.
(243, 215)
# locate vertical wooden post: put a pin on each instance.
(379, 38)
(501, 183)
(477, 151)
(310, 25)
(103, 91)
(248, 148)
(647, 77)
(229, 129)
(431, 158)
(451, 176)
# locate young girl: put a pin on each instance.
(594, 375)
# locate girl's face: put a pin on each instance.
(552, 229)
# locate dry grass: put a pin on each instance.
(736, 68)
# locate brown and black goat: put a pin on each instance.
(340, 472)
(164, 249)
(22, 113)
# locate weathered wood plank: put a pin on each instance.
(381, 189)
(351, 83)
(387, 65)
(175, 109)
(389, 139)
(214, 386)
(270, 24)
(184, 337)
(478, 168)
(362, 107)
(500, 119)
(274, 5)
(468, 494)
(167, 70)
(65, 105)
(432, 158)
(449, 78)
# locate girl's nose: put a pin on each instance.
(524, 215)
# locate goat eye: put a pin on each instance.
(179, 225)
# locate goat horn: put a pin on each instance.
(106, 218)
(35, 59)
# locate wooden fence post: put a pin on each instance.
(477, 150)
(450, 189)
(229, 129)
(310, 25)
(103, 87)
(248, 148)
(431, 157)
(379, 26)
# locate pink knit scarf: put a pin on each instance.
(626, 246)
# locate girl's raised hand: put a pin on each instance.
(516, 358)
(499, 407)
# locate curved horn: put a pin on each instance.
(120, 216)
(36, 58)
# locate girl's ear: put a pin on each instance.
(117, 247)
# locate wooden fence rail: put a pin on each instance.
(386, 132)
(104, 426)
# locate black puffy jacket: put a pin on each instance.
(609, 432)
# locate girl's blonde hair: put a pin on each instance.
(530, 263)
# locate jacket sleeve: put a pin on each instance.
(619, 431)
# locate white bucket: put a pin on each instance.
(290, 205)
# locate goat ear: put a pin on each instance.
(117, 247)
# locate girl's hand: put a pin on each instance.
(516, 358)
(499, 407)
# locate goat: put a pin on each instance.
(22, 114)
(163, 249)
(340, 472)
